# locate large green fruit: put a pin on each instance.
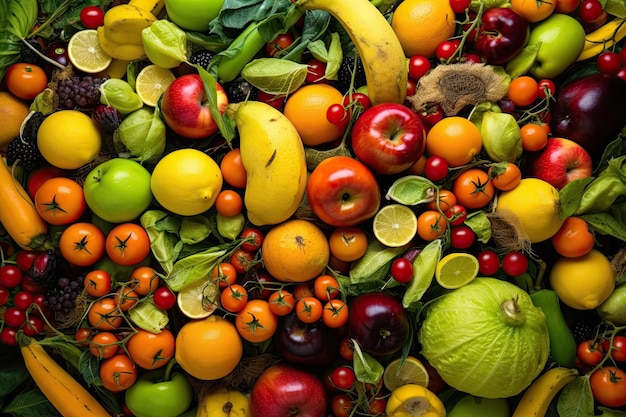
(470, 406)
(193, 14)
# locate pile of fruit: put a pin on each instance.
(313, 208)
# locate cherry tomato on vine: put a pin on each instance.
(431, 114)
(590, 352)
(164, 298)
(545, 86)
(233, 298)
(473, 188)
(459, 6)
(514, 263)
(8, 336)
(309, 309)
(144, 280)
(33, 326)
(456, 215)
(279, 44)
(23, 300)
(316, 71)
(118, 373)
(335, 313)
(25, 258)
(91, 17)
(4, 296)
(446, 49)
(402, 270)
(617, 349)
(343, 377)
(443, 201)
(97, 283)
(590, 10)
(242, 260)
(608, 386)
(488, 262)
(225, 273)
(419, 65)
(14, 317)
(505, 179)
(609, 62)
(255, 322)
(346, 349)
(436, 168)
(103, 345)
(341, 405)
(282, 302)
(356, 99)
(462, 237)
(253, 239)
(10, 276)
(337, 115)
(326, 287)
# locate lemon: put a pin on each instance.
(408, 371)
(198, 299)
(536, 205)
(186, 182)
(395, 225)
(68, 139)
(151, 82)
(456, 269)
(85, 53)
(585, 282)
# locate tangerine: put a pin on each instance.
(533, 10)
(455, 139)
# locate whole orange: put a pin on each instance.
(455, 139)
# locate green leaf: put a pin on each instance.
(13, 371)
(615, 7)
(576, 399)
(225, 124)
(274, 75)
(412, 190)
(194, 229)
(88, 366)
(423, 273)
(606, 412)
(571, 195)
(31, 403)
(374, 263)
(479, 222)
(611, 223)
(194, 267)
(523, 62)
(367, 369)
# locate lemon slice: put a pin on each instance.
(395, 225)
(456, 269)
(408, 371)
(151, 82)
(198, 300)
(85, 53)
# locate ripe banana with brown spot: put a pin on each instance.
(121, 51)
(603, 38)
(123, 23)
(380, 50)
(153, 6)
(225, 402)
(273, 155)
(539, 395)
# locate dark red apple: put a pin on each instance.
(286, 391)
(388, 138)
(343, 191)
(502, 35)
(186, 110)
(560, 162)
(591, 111)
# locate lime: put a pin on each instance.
(198, 299)
(409, 370)
(456, 269)
(151, 82)
(395, 225)
(85, 53)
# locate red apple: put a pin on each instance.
(41, 175)
(560, 162)
(343, 191)
(186, 110)
(388, 138)
(502, 35)
(283, 390)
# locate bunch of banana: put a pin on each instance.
(273, 155)
(224, 402)
(120, 35)
(539, 395)
(378, 46)
(603, 38)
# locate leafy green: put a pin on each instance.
(17, 18)
(368, 272)
(367, 369)
(13, 372)
(423, 273)
(142, 132)
(31, 403)
(576, 399)
(274, 75)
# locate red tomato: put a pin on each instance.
(127, 244)
(281, 302)
(91, 17)
(608, 386)
(335, 313)
(164, 298)
(343, 377)
(82, 244)
(617, 349)
(60, 201)
(118, 373)
(326, 287)
(26, 80)
(253, 239)
(590, 352)
(97, 283)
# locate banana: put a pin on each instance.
(123, 23)
(66, 394)
(153, 6)
(603, 38)
(273, 155)
(226, 402)
(121, 51)
(378, 46)
(537, 398)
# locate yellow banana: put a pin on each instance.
(273, 155)
(153, 6)
(603, 38)
(66, 394)
(226, 402)
(121, 51)
(378, 46)
(537, 398)
(123, 23)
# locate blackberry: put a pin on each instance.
(344, 75)
(28, 55)
(240, 90)
(585, 329)
(24, 149)
(80, 92)
(201, 57)
(61, 298)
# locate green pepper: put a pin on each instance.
(605, 189)
(160, 393)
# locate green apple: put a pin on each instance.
(118, 190)
(193, 14)
(561, 39)
(470, 406)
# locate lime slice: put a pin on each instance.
(395, 225)
(85, 53)
(408, 371)
(456, 269)
(151, 82)
(198, 299)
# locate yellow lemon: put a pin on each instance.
(536, 205)
(186, 182)
(68, 139)
(585, 282)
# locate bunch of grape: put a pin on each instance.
(61, 298)
(79, 92)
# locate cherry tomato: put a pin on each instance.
(118, 373)
(442, 201)
(608, 386)
(60, 201)
(97, 283)
(316, 71)
(282, 302)
(402, 270)
(348, 243)
(242, 260)
(255, 322)
(431, 114)
(505, 178)
(26, 80)
(24, 259)
(546, 87)
(309, 309)
(456, 215)
(104, 314)
(446, 49)
(343, 377)
(346, 349)
(40, 301)
(253, 239)
(10, 276)
(488, 262)
(126, 298)
(590, 10)
(233, 298)
(436, 168)
(419, 65)
(279, 44)
(144, 280)
(341, 405)
(609, 62)
(514, 263)
(462, 237)
(276, 101)
(29, 284)
(303, 290)
(473, 188)
(164, 298)
(34, 326)
(228, 203)
(617, 349)
(335, 313)
(91, 17)
(590, 352)
(356, 99)
(431, 225)
(326, 287)
(225, 273)
(151, 350)
(233, 170)
(338, 115)
(23, 300)
(83, 335)
(103, 345)
(8, 336)
(14, 317)
(459, 6)
(4, 296)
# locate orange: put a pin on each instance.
(13, 111)
(574, 238)
(306, 109)
(455, 139)
(421, 25)
(533, 10)
(295, 251)
(200, 347)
